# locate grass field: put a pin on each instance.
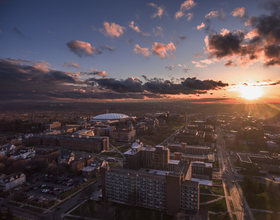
(265, 200)
(206, 198)
(219, 206)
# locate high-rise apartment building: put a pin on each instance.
(161, 190)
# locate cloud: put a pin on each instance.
(157, 31)
(129, 41)
(122, 86)
(239, 12)
(185, 6)
(29, 80)
(82, 48)
(19, 78)
(95, 72)
(161, 49)
(106, 47)
(1, 32)
(229, 63)
(112, 30)
(158, 86)
(186, 86)
(198, 64)
(183, 38)
(160, 10)
(171, 67)
(18, 32)
(144, 51)
(49, 31)
(70, 64)
(216, 14)
(229, 44)
(198, 27)
(189, 16)
(198, 55)
(135, 28)
(260, 44)
(186, 70)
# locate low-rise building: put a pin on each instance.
(11, 181)
(94, 168)
(202, 170)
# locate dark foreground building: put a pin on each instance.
(165, 191)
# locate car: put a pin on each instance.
(58, 208)
(232, 181)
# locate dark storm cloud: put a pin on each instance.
(122, 86)
(225, 45)
(103, 95)
(158, 85)
(17, 70)
(246, 48)
(29, 80)
(82, 48)
(272, 5)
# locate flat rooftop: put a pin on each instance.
(202, 181)
(199, 163)
(176, 162)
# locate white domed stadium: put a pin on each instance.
(110, 117)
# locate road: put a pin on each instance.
(230, 175)
(171, 137)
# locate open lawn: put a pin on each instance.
(94, 209)
(111, 154)
(219, 206)
(266, 200)
(265, 216)
(217, 182)
(206, 198)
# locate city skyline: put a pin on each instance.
(220, 50)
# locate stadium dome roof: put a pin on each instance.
(110, 116)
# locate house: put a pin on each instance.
(7, 148)
(11, 181)
(25, 153)
(94, 168)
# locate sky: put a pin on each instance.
(219, 50)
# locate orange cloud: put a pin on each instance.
(160, 10)
(161, 49)
(144, 51)
(198, 27)
(112, 30)
(82, 48)
(185, 6)
(239, 12)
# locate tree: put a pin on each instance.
(1, 216)
(9, 214)
(261, 189)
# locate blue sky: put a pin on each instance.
(142, 38)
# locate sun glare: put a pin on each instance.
(251, 92)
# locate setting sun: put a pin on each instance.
(251, 92)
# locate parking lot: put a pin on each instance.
(46, 187)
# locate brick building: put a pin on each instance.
(165, 191)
